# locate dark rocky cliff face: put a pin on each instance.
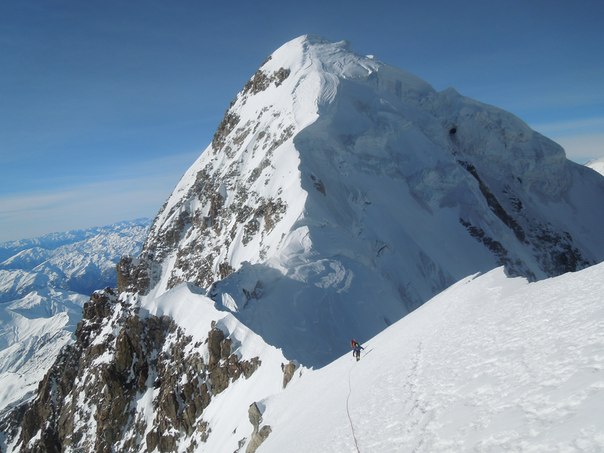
(89, 398)
(554, 251)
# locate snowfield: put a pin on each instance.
(490, 364)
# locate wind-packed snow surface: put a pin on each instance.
(44, 282)
(490, 364)
(340, 193)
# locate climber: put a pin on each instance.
(356, 349)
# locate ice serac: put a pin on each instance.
(340, 193)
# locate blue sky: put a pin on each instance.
(105, 104)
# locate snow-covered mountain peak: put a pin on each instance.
(336, 181)
(500, 141)
(308, 71)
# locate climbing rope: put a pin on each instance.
(348, 410)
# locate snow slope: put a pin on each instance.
(44, 283)
(490, 364)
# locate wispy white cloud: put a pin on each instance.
(582, 139)
(34, 214)
(132, 193)
(571, 127)
(582, 148)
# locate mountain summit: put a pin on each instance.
(340, 193)
(337, 195)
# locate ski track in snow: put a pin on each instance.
(356, 442)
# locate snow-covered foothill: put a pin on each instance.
(597, 165)
(491, 364)
(33, 330)
(81, 261)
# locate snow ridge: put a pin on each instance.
(490, 364)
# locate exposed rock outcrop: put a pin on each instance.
(288, 372)
(91, 397)
(259, 434)
(136, 275)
